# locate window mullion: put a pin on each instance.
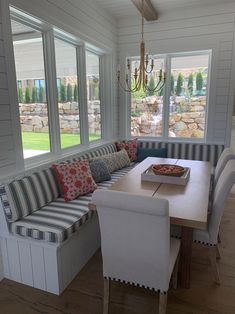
(103, 96)
(53, 111)
(82, 95)
(166, 98)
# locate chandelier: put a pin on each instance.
(139, 79)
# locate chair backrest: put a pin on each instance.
(226, 155)
(135, 238)
(222, 189)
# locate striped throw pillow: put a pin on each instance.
(30, 193)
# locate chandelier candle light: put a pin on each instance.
(139, 80)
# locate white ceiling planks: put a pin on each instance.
(125, 8)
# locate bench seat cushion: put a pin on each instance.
(56, 221)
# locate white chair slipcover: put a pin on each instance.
(221, 192)
(135, 239)
(226, 155)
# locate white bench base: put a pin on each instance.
(49, 267)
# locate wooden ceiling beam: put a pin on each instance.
(150, 13)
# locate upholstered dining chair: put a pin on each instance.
(210, 236)
(226, 155)
(135, 242)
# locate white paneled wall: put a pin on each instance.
(84, 19)
(8, 142)
(191, 30)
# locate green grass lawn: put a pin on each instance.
(40, 141)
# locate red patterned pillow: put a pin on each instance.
(74, 178)
(130, 146)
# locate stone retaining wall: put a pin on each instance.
(34, 117)
(187, 117)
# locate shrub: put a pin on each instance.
(151, 85)
(34, 95)
(69, 92)
(27, 95)
(199, 82)
(179, 85)
(172, 85)
(62, 93)
(20, 96)
(75, 93)
(41, 94)
(190, 84)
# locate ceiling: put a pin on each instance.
(124, 8)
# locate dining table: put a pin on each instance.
(188, 203)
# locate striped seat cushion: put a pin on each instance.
(30, 193)
(193, 151)
(56, 221)
(4, 202)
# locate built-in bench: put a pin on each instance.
(46, 241)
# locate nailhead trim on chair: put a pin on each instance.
(134, 284)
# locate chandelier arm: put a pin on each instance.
(136, 87)
(158, 88)
(126, 89)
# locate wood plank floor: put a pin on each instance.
(84, 294)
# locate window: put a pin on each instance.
(188, 97)
(32, 98)
(179, 109)
(146, 107)
(19, 84)
(52, 100)
(67, 86)
(93, 95)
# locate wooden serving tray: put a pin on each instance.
(149, 175)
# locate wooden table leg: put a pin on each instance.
(186, 256)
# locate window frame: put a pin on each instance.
(166, 96)
(49, 33)
(101, 94)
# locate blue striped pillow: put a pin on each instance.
(143, 153)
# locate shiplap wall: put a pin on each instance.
(8, 141)
(191, 30)
(85, 20)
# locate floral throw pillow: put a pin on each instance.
(74, 178)
(130, 146)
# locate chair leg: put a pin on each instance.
(218, 256)
(214, 264)
(162, 303)
(219, 239)
(175, 274)
(106, 296)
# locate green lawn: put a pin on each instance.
(40, 141)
